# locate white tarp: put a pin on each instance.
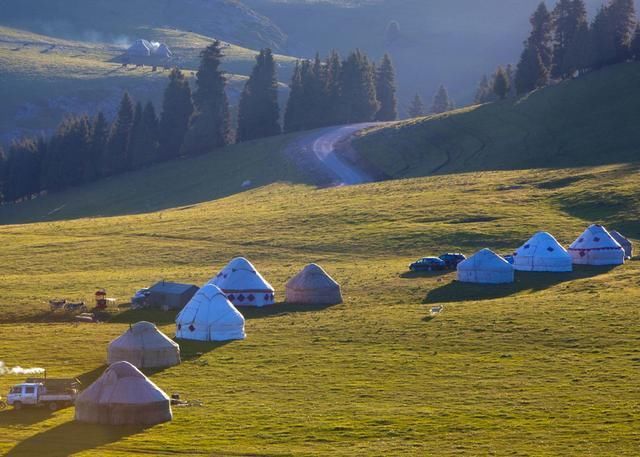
(596, 247)
(244, 285)
(209, 316)
(542, 253)
(485, 267)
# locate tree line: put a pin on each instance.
(563, 43)
(441, 103)
(84, 149)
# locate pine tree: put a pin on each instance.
(144, 136)
(613, 30)
(177, 109)
(359, 103)
(580, 53)
(333, 89)
(635, 44)
(511, 76)
(416, 109)
(501, 84)
(531, 72)
(94, 163)
(392, 33)
(386, 91)
(259, 112)
(441, 101)
(568, 17)
(66, 154)
(294, 109)
(22, 170)
(118, 142)
(484, 92)
(209, 126)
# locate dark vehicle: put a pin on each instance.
(452, 259)
(509, 258)
(428, 264)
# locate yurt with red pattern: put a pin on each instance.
(596, 246)
(244, 285)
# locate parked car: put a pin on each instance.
(452, 259)
(428, 264)
(139, 299)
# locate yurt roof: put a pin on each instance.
(312, 276)
(620, 238)
(595, 237)
(485, 259)
(122, 383)
(542, 244)
(209, 304)
(241, 275)
(143, 334)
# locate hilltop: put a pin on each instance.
(588, 121)
(46, 78)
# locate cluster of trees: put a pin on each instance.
(84, 149)
(335, 91)
(441, 104)
(563, 42)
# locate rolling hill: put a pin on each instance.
(546, 366)
(588, 121)
(44, 79)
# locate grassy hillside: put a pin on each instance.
(172, 184)
(44, 79)
(544, 367)
(588, 121)
(228, 20)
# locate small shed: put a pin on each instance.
(170, 295)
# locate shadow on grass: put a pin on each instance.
(25, 416)
(456, 291)
(279, 309)
(424, 274)
(71, 438)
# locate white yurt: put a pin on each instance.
(485, 267)
(244, 285)
(144, 346)
(542, 253)
(123, 396)
(313, 286)
(624, 242)
(163, 51)
(596, 247)
(209, 316)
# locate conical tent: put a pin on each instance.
(144, 346)
(209, 316)
(141, 48)
(596, 246)
(243, 285)
(485, 267)
(542, 253)
(163, 51)
(313, 286)
(624, 242)
(123, 396)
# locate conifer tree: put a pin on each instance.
(501, 84)
(484, 92)
(94, 160)
(534, 67)
(22, 170)
(613, 31)
(209, 126)
(386, 91)
(144, 136)
(392, 33)
(580, 53)
(358, 89)
(531, 72)
(568, 17)
(119, 137)
(177, 108)
(294, 109)
(259, 112)
(416, 109)
(333, 89)
(441, 101)
(66, 154)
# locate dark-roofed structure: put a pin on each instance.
(170, 295)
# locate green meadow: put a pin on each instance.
(547, 366)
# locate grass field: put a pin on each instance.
(545, 367)
(588, 121)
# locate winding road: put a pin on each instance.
(320, 147)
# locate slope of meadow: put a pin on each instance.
(588, 121)
(544, 367)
